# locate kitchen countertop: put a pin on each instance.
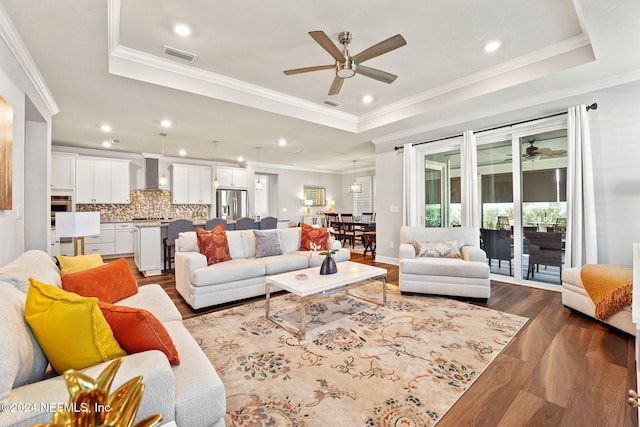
(162, 223)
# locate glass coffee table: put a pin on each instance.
(309, 282)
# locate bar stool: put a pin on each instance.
(175, 227)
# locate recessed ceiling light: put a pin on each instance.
(240, 159)
(182, 152)
(105, 128)
(106, 143)
(492, 46)
(182, 30)
(367, 99)
(282, 142)
(165, 123)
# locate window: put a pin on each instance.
(364, 201)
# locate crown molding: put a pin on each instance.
(409, 106)
(135, 64)
(15, 44)
(413, 134)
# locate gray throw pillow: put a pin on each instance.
(267, 243)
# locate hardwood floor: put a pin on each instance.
(562, 369)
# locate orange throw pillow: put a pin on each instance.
(138, 330)
(109, 283)
(318, 236)
(213, 244)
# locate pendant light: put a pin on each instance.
(258, 182)
(216, 183)
(355, 186)
(163, 179)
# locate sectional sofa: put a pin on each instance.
(244, 275)
(189, 393)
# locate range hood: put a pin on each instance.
(151, 176)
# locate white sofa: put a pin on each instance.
(464, 277)
(191, 393)
(244, 275)
(576, 297)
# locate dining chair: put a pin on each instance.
(268, 223)
(497, 245)
(349, 232)
(550, 244)
(332, 220)
(503, 223)
(367, 217)
(175, 227)
(213, 222)
(245, 223)
(369, 242)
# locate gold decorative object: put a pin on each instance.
(90, 404)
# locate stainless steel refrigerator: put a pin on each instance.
(231, 204)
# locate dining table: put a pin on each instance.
(348, 229)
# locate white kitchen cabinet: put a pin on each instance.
(103, 243)
(191, 184)
(102, 180)
(63, 171)
(232, 178)
(124, 238)
(147, 250)
(180, 184)
(200, 185)
(120, 171)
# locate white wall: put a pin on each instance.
(30, 159)
(290, 190)
(389, 197)
(12, 228)
(615, 131)
(615, 134)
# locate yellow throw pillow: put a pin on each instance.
(70, 329)
(74, 264)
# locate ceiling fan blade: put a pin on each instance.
(336, 86)
(308, 69)
(378, 49)
(323, 40)
(373, 73)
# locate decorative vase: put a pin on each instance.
(328, 265)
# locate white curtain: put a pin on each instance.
(409, 187)
(581, 240)
(469, 181)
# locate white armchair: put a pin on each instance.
(466, 276)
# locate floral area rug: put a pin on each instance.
(360, 364)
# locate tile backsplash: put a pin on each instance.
(146, 204)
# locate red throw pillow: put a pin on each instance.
(137, 330)
(109, 283)
(318, 236)
(213, 244)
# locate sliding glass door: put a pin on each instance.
(495, 178)
(522, 195)
(522, 175)
(543, 175)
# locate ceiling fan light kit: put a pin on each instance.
(347, 66)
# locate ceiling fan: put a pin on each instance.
(347, 66)
(535, 152)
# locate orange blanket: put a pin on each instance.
(609, 286)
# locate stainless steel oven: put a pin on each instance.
(60, 204)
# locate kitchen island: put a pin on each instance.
(148, 245)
